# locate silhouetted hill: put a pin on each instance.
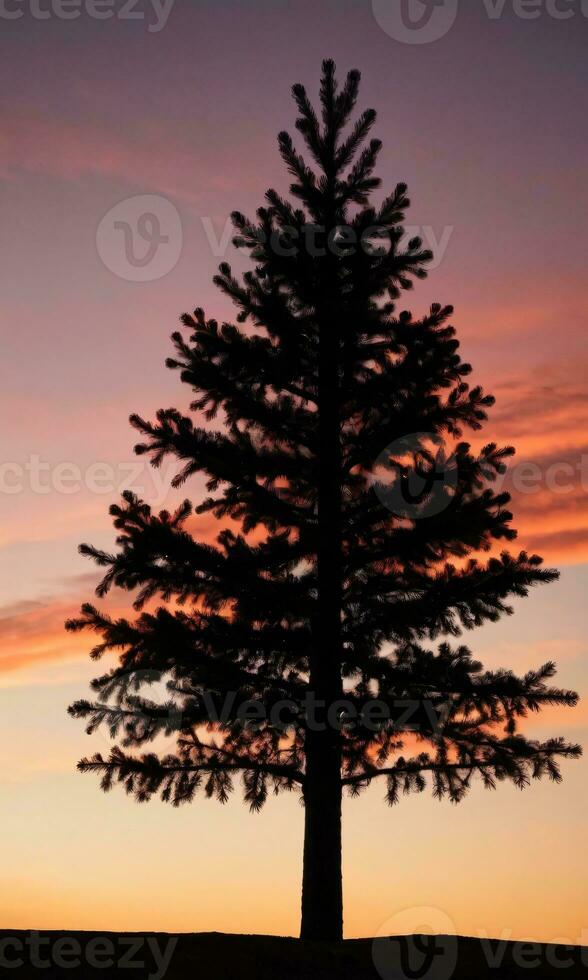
(213, 956)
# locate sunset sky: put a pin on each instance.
(487, 125)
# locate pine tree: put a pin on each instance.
(329, 610)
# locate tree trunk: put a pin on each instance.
(322, 900)
(322, 886)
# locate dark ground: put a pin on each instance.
(213, 956)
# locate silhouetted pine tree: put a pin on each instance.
(336, 595)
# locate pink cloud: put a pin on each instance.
(152, 155)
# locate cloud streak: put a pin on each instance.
(147, 154)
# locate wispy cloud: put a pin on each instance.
(32, 633)
(148, 154)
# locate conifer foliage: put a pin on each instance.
(317, 601)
